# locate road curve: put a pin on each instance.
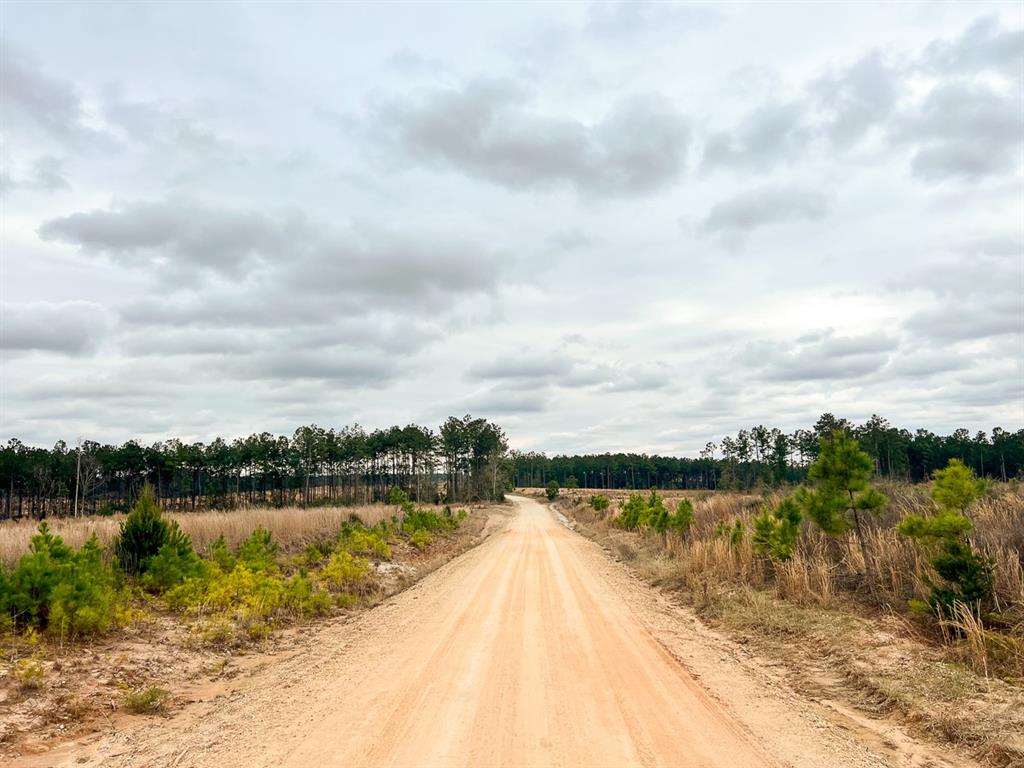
(532, 661)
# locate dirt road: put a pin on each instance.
(533, 649)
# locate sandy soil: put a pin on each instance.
(533, 649)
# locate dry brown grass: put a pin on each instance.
(822, 566)
(292, 527)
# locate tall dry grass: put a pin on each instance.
(292, 527)
(823, 567)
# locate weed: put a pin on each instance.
(150, 700)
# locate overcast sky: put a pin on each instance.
(605, 226)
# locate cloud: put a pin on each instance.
(33, 100)
(761, 207)
(393, 268)
(855, 99)
(770, 135)
(48, 175)
(175, 233)
(985, 45)
(499, 402)
(827, 357)
(486, 130)
(337, 365)
(956, 320)
(69, 328)
(522, 367)
(922, 364)
(964, 130)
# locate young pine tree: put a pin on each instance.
(776, 530)
(842, 493)
(966, 576)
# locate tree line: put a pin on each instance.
(463, 460)
(772, 457)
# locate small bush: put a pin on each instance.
(598, 502)
(427, 520)
(552, 490)
(966, 576)
(68, 593)
(83, 601)
(30, 674)
(259, 551)
(776, 530)
(346, 573)
(302, 597)
(364, 541)
(142, 533)
(220, 554)
(175, 562)
(146, 701)
(421, 538)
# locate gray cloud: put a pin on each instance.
(337, 365)
(762, 207)
(487, 130)
(827, 357)
(499, 402)
(47, 175)
(32, 99)
(965, 131)
(70, 328)
(855, 99)
(985, 45)
(181, 235)
(518, 366)
(394, 269)
(923, 364)
(957, 320)
(770, 135)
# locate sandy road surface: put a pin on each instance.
(533, 649)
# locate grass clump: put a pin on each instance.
(150, 700)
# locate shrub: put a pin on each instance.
(303, 597)
(776, 530)
(83, 601)
(346, 573)
(30, 673)
(221, 555)
(598, 503)
(842, 491)
(37, 574)
(421, 538)
(68, 593)
(732, 532)
(365, 541)
(966, 576)
(146, 701)
(427, 520)
(175, 562)
(639, 512)
(681, 521)
(552, 490)
(142, 534)
(259, 551)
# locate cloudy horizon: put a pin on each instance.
(605, 226)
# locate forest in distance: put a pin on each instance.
(465, 459)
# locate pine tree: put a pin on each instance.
(842, 492)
